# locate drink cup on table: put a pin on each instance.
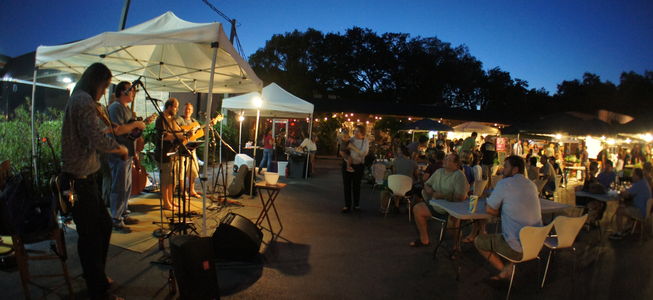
(473, 203)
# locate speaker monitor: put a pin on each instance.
(192, 260)
(236, 238)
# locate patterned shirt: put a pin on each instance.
(81, 136)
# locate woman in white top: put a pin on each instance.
(310, 146)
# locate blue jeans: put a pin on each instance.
(121, 185)
(267, 158)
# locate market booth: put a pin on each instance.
(272, 102)
(167, 53)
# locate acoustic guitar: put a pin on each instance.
(194, 131)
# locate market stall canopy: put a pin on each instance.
(171, 54)
(277, 102)
(638, 125)
(571, 123)
(476, 127)
(427, 125)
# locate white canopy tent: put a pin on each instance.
(476, 127)
(170, 54)
(277, 102)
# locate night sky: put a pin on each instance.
(543, 43)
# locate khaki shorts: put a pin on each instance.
(166, 171)
(496, 243)
(632, 212)
(193, 168)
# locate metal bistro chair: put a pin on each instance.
(378, 172)
(567, 229)
(642, 221)
(532, 240)
(400, 185)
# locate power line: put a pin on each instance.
(216, 10)
(239, 46)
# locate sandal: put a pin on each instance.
(418, 243)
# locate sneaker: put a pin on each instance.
(616, 236)
(357, 208)
(345, 210)
(129, 221)
(121, 227)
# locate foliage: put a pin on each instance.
(16, 141)
(326, 132)
(391, 124)
(360, 64)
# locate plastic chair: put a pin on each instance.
(642, 221)
(532, 240)
(539, 183)
(567, 229)
(400, 185)
(378, 172)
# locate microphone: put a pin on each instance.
(135, 83)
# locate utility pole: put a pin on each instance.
(123, 16)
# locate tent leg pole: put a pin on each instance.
(251, 185)
(310, 132)
(34, 166)
(206, 140)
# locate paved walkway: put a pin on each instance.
(365, 256)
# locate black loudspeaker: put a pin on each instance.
(192, 260)
(236, 238)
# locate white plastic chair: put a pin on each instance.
(400, 185)
(378, 172)
(539, 183)
(567, 229)
(642, 221)
(532, 241)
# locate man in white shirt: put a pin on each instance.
(515, 198)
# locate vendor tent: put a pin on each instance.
(571, 123)
(277, 102)
(476, 127)
(427, 125)
(170, 54)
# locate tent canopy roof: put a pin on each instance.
(427, 124)
(277, 102)
(170, 53)
(571, 123)
(475, 127)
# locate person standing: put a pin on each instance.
(309, 145)
(82, 138)
(489, 154)
(268, 149)
(121, 170)
(187, 120)
(358, 147)
(167, 134)
(469, 144)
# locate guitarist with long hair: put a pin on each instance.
(82, 139)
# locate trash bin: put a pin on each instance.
(297, 166)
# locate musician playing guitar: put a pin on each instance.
(167, 133)
(121, 114)
(194, 131)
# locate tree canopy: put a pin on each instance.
(360, 64)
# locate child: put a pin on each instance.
(344, 150)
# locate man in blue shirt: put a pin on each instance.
(640, 193)
(515, 198)
(608, 176)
